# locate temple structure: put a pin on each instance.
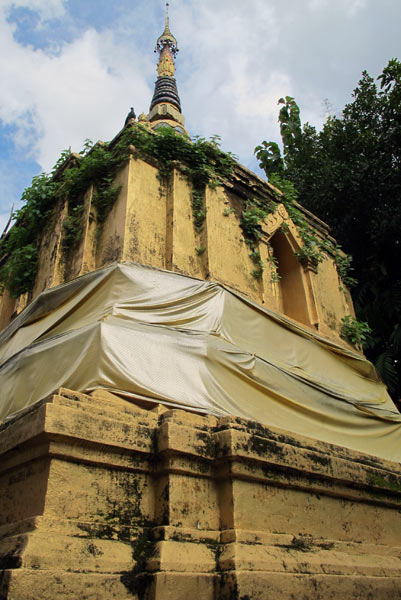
(180, 415)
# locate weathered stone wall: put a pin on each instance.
(152, 223)
(102, 498)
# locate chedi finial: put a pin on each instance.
(166, 88)
(167, 38)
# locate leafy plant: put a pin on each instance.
(257, 261)
(19, 247)
(356, 332)
(20, 270)
(251, 219)
(274, 273)
(72, 228)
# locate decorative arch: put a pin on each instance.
(294, 286)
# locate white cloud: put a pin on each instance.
(227, 86)
(348, 7)
(47, 9)
(317, 4)
(86, 89)
(58, 101)
(354, 6)
(236, 60)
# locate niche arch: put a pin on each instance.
(294, 287)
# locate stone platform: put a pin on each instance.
(105, 499)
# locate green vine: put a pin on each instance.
(72, 228)
(198, 207)
(274, 274)
(251, 224)
(258, 262)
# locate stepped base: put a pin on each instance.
(102, 498)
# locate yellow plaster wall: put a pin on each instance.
(7, 308)
(151, 223)
(145, 225)
(182, 239)
(172, 505)
(110, 243)
(228, 253)
(332, 302)
(73, 265)
(50, 264)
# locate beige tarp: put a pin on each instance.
(168, 338)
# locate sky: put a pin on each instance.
(71, 70)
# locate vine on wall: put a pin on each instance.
(201, 161)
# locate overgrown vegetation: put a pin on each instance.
(201, 161)
(19, 249)
(349, 175)
(251, 219)
(356, 332)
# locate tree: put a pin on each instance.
(349, 175)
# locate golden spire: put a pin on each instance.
(165, 107)
(167, 39)
(166, 88)
(167, 28)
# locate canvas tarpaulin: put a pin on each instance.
(164, 337)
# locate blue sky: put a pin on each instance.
(71, 69)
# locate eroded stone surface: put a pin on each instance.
(102, 498)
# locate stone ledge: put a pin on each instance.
(151, 502)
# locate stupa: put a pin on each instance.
(180, 414)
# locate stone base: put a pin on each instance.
(102, 498)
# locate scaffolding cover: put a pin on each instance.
(163, 337)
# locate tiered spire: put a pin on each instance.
(166, 87)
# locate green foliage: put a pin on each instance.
(251, 219)
(349, 175)
(275, 275)
(315, 249)
(356, 332)
(269, 157)
(257, 261)
(72, 228)
(202, 161)
(104, 198)
(19, 248)
(20, 270)
(198, 208)
(290, 125)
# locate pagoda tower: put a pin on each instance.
(180, 416)
(165, 107)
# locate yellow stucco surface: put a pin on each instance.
(104, 498)
(151, 223)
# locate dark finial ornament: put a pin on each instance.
(166, 91)
(131, 115)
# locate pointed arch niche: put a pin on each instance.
(294, 288)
